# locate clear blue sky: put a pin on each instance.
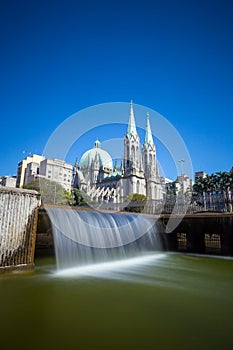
(174, 56)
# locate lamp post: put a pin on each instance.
(181, 161)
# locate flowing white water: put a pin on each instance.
(86, 238)
(112, 269)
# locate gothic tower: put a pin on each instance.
(150, 164)
(131, 146)
(95, 165)
(133, 178)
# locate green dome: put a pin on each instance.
(98, 154)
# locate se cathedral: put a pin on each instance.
(138, 172)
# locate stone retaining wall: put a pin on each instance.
(18, 225)
(201, 234)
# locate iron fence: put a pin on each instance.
(186, 204)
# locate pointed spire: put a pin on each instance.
(75, 168)
(115, 165)
(148, 137)
(76, 163)
(131, 125)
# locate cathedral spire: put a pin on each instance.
(148, 137)
(76, 163)
(131, 125)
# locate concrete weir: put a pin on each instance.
(201, 233)
(18, 224)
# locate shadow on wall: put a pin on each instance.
(202, 234)
(44, 237)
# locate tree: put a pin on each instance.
(225, 183)
(213, 186)
(51, 192)
(136, 202)
(80, 198)
(68, 196)
(200, 188)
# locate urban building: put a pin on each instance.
(200, 174)
(32, 172)
(57, 170)
(138, 172)
(8, 181)
(167, 185)
(183, 184)
(26, 172)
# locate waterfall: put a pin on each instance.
(87, 237)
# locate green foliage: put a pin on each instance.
(218, 182)
(68, 196)
(135, 197)
(51, 192)
(33, 185)
(80, 198)
(136, 202)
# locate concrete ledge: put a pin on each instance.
(18, 190)
(196, 215)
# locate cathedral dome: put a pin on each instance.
(96, 154)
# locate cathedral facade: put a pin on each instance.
(138, 173)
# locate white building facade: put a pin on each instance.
(28, 169)
(8, 181)
(184, 184)
(57, 170)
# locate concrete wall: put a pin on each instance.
(18, 224)
(201, 234)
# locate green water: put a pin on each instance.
(174, 302)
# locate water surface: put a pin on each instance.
(163, 301)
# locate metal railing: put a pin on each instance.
(186, 204)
